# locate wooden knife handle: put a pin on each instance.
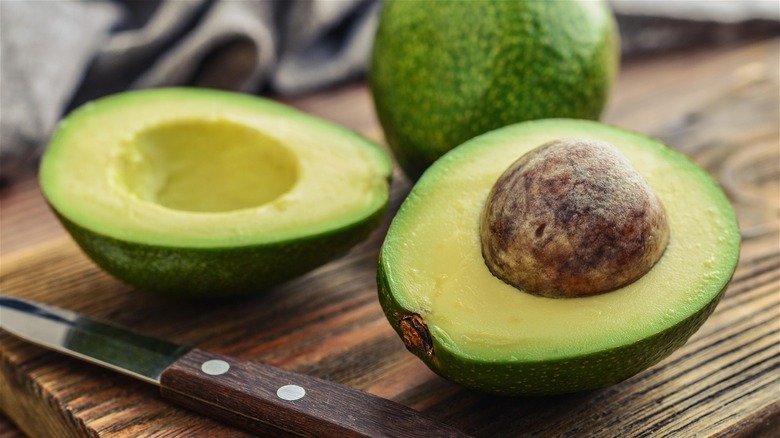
(271, 401)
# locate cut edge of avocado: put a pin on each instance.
(104, 132)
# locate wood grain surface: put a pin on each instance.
(720, 107)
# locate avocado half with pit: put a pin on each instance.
(580, 314)
(204, 193)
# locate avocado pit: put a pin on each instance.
(572, 218)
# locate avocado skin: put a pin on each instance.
(553, 377)
(216, 273)
(442, 75)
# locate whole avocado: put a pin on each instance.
(443, 74)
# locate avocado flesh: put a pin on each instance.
(491, 336)
(203, 193)
(216, 167)
(443, 75)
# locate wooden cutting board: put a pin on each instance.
(718, 107)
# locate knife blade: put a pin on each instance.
(250, 395)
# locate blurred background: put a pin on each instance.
(55, 55)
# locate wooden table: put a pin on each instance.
(718, 106)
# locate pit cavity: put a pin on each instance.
(206, 166)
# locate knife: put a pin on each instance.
(256, 397)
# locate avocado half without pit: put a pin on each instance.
(555, 256)
(205, 194)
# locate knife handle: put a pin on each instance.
(272, 401)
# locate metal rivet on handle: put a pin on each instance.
(215, 367)
(290, 392)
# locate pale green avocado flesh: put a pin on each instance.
(442, 75)
(204, 193)
(477, 330)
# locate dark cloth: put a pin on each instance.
(58, 54)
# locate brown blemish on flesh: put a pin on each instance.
(416, 336)
(572, 218)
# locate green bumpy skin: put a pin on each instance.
(442, 75)
(476, 330)
(206, 273)
(204, 194)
